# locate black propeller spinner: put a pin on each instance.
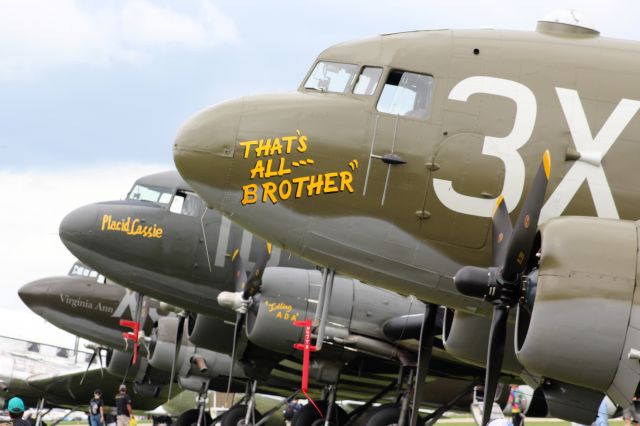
(249, 287)
(501, 284)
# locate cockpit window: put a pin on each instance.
(150, 193)
(407, 94)
(187, 203)
(368, 81)
(331, 77)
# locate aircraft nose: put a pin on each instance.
(34, 293)
(205, 144)
(78, 227)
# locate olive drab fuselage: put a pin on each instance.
(420, 190)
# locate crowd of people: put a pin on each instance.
(97, 415)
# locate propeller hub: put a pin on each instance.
(234, 301)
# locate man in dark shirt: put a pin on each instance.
(96, 410)
(16, 411)
(123, 406)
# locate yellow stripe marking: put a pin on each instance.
(546, 160)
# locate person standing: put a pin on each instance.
(96, 409)
(515, 398)
(16, 411)
(630, 414)
(123, 406)
(292, 408)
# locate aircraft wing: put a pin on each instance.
(65, 389)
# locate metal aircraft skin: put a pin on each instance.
(81, 305)
(42, 297)
(172, 262)
(123, 257)
(491, 115)
(396, 153)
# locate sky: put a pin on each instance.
(92, 93)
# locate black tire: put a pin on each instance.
(190, 418)
(33, 420)
(235, 416)
(309, 416)
(157, 420)
(383, 415)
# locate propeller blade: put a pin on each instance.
(236, 335)
(526, 227)
(255, 279)
(495, 355)
(502, 230)
(176, 351)
(239, 272)
(93, 357)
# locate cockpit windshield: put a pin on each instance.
(150, 193)
(331, 77)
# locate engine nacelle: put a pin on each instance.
(118, 363)
(191, 359)
(580, 322)
(210, 333)
(356, 316)
(466, 336)
(284, 298)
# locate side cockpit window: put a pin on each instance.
(331, 77)
(367, 81)
(151, 194)
(407, 94)
(187, 203)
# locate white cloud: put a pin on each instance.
(40, 34)
(31, 207)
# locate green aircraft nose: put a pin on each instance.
(35, 294)
(204, 147)
(77, 228)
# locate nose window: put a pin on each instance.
(407, 94)
(331, 77)
(368, 81)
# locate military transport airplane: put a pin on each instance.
(41, 296)
(397, 152)
(363, 319)
(50, 376)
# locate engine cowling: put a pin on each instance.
(578, 322)
(118, 363)
(466, 336)
(210, 333)
(357, 312)
(192, 360)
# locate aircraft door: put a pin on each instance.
(393, 170)
(401, 137)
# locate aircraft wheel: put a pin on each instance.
(385, 415)
(235, 416)
(309, 416)
(190, 418)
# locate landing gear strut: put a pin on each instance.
(197, 416)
